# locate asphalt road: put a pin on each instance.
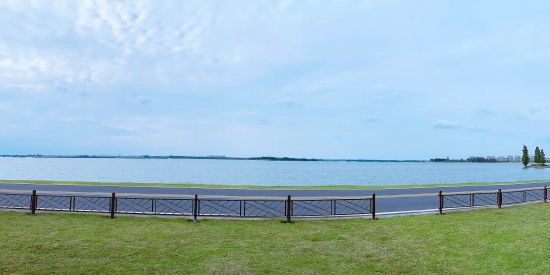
(396, 200)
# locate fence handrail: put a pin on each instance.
(461, 200)
(196, 206)
(185, 196)
(491, 192)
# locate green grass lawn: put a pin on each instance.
(512, 240)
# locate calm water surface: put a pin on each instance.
(232, 172)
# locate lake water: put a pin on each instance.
(270, 173)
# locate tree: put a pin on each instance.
(525, 156)
(542, 157)
(537, 155)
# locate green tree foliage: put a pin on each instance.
(537, 155)
(542, 157)
(525, 156)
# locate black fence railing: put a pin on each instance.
(250, 207)
(192, 207)
(497, 198)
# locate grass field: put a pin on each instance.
(293, 187)
(512, 240)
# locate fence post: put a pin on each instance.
(113, 206)
(195, 208)
(545, 193)
(373, 206)
(440, 202)
(33, 202)
(499, 198)
(288, 208)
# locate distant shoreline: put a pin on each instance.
(535, 166)
(201, 157)
(265, 158)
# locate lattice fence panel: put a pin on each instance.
(484, 199)
(535, 195)
(212, 207)
(15, 201)
(312, 207)
(353, 207)
(456, 200)
(53, 203)
(92, 204)
(135, 205)
(264, 208)
(512, 197)
(174, 207)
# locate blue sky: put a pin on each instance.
(323, 79)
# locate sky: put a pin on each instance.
(374, 79)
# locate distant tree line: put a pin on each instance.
(539, 158)
(282, 159)
(482, 159)
(474, 159)
(446, 160)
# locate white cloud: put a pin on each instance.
(195, 42)
(48, 69)
(117, 24)
(33, 87)
(298, 68)
(446, 124)
(33, 67)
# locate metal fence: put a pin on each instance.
(497, 198)
(192, 207)
(250, 207)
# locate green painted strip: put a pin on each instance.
(219, 186)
